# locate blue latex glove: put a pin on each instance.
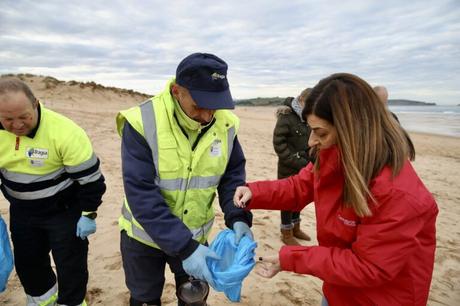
(196, 266)
(6, 256)
(242, 229)
(85, 227)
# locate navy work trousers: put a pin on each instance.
(144, 268)
(33, 238)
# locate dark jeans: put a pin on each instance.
(144, 268)
(287, 217)
(33, 238)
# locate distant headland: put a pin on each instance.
(408, 102)
(274, 101)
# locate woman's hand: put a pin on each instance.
(268, 266)
(242, 195)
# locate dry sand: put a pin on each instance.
(437, 163)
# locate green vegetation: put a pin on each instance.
(51, 83)
(273, 101)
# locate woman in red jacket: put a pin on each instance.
(375, 219)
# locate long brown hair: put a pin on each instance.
(368, 137)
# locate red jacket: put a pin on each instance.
(385, 259)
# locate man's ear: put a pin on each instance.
(175, 90)
(35, 103)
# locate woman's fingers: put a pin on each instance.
(268, 266)
(271, 259)
(242, 196)
(266, 270)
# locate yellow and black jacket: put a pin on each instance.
(52, 168)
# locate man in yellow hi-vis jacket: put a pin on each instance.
(178, 149)
(51, 177)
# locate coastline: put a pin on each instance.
(427, 134)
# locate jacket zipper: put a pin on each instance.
(16, 148)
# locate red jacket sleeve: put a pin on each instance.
(383, 245)
(292, 193)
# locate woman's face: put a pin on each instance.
(323, 134)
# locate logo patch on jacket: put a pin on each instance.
(216, 148)
(37, 162)
(37, 153)
(347, 222)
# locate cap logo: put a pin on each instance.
(216, 76)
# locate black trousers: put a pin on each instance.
(288, 216)
(33, 238)
(144, 268)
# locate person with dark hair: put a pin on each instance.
(178, 149)
(376, 221)
(290, 138)
(52, 179)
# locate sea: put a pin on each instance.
(432, 119)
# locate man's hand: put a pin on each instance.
(85, 227)
(195, 265)
(241, 229)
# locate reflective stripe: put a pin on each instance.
(203, 230)
(172, 184)
(83, 166)
(202, 182)
(137, 232)
(47, 299)
(197, 233)
(89, 178)
(30, 178)
(39, 194)
(150, 130)
(230, 140)
(196, 182)
(23, 178)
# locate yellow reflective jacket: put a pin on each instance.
(187, 179)
(47, 163)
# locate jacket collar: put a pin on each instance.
(330, 161)
(34, 131)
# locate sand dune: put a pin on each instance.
(94, 108)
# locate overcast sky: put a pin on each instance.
(273, 48)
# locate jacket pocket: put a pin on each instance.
(168, 157)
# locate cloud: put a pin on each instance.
(273, 48)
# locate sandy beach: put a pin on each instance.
(437, 163)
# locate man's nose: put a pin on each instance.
(207, 115)
(17, 124)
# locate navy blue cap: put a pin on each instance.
(205, 77)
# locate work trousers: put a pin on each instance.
(33, 238)
(144, 268)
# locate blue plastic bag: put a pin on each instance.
(235, 264)
(6, 257)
